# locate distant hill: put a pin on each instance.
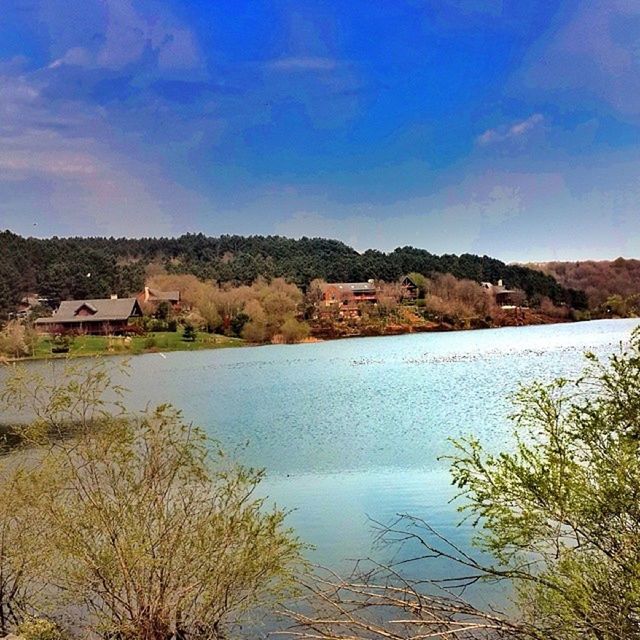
(598, 279)
(60, 268)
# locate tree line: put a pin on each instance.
(63, 268)
(611, 286)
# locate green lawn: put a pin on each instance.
(152, 342)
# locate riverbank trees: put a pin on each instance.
(265, 311)
(132, 527)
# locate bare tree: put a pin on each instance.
(380, 602)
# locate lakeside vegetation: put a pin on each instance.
(140, 526)
(210, 315)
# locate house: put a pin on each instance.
(30, 303)
(97, 317)
(503, 296)
(410, 289)
(154, 297)
(341, 292)
(346, 296)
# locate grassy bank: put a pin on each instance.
(134, 345)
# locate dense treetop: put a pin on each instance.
(61, 268)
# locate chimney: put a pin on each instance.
(500, 282)
(146, 293)
(114, 296)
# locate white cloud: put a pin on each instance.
(450, 221)
(515, 216)
(513, 132)
(60, 156)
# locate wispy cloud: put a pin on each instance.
(593, 53)
(514, 132)
(129, 35)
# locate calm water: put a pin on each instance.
(351, 430)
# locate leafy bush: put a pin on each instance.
(39, 629)
(255, 331)
(294, 331)
(142, 527)
(561, 510)
(237, 323)
(15, 340)
(61, 343)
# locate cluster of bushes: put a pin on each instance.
(262, 312)
(136, 528)
(157, 325)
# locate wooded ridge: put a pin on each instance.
(63, 268)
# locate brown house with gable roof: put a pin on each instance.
(96, 317)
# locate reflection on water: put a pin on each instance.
(354, 429)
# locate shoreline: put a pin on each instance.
(95, 347)
(235, 343)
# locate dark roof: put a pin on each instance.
(102, 310)
(170, 296)
(355, 287)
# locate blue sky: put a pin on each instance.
(502, 127)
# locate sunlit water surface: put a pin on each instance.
(353, 431)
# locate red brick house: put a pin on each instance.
(344, 297)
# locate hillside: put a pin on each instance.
(598, 279)
(60, 268)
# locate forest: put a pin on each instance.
(612, 283)
(64, 268)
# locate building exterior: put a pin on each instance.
(155, 297)
(333, 292)
(409, 288)
(344, 297)
(504, 297)
(30, 303)
(96, 317)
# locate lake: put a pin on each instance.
(353, 430)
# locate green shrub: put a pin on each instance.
(189, 333)
(294, 331)
(39, 629)
(61, 343)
